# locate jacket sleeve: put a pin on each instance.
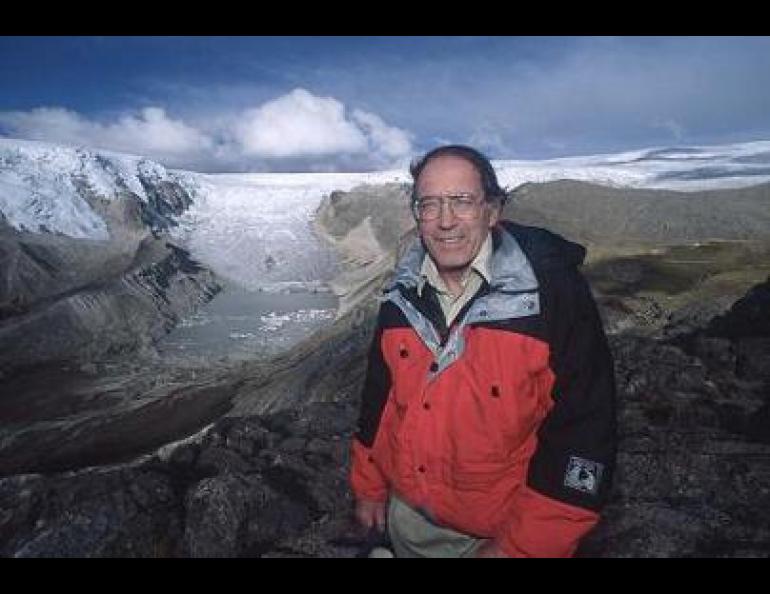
(571, 470)
(366, 480)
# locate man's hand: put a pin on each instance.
(371, 514)
(490, 550)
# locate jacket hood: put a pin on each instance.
(544, 247)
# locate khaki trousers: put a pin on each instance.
(412, 534)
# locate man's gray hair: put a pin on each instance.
(493, 192)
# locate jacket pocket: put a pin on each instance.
(480, 476)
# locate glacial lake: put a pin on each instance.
(242, 324)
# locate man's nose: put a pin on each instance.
(446, 217)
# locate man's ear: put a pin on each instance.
(494, 213)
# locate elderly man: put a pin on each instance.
(487, 424)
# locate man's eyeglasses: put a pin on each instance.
(463, 205)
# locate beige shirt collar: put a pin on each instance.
(481, 264)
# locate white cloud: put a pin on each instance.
(298, 130)
(386, 140)
(158, 133)
(150, 133)
(297, 125)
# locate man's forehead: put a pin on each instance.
(450, 173)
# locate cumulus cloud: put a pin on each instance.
(383, 139)
(150, 132)
(296, 125)
(295, 131)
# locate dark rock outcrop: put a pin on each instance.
(252, 486)
(126, 512)
(694, 461)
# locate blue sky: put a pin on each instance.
(356, 103)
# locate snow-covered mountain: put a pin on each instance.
(255, 228)
(42, 185)
(250, 228)
(50, 188)
(678, 168)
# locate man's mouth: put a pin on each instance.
(449, 240)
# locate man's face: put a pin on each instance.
(454, 242)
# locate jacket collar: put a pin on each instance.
(509, 270)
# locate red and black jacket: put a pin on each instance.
(503, 425)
